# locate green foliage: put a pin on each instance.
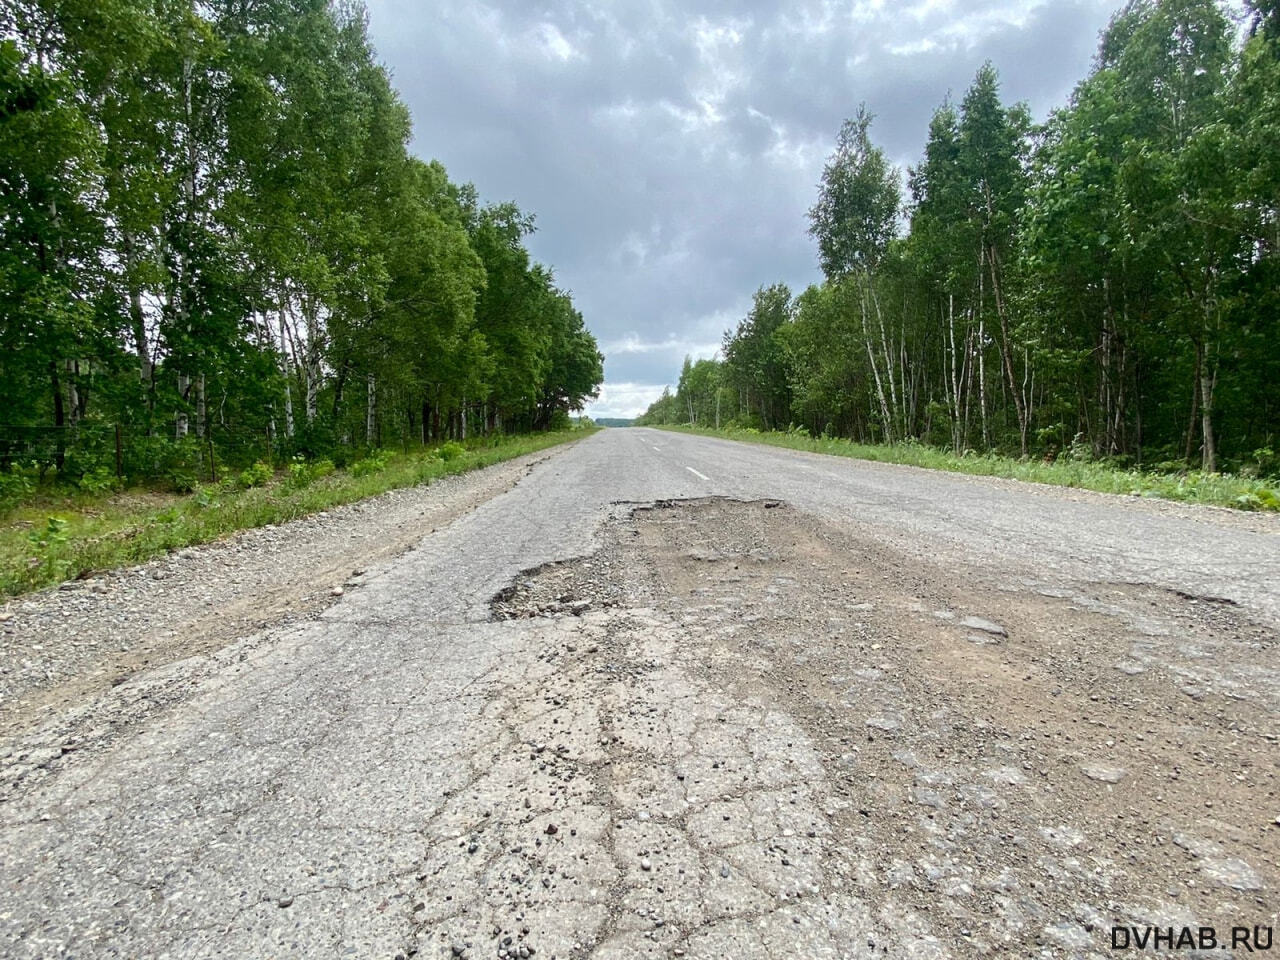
(205, 498)
(98, 480)
(303, 473)
(53, 534)
(369, 465)
(1224, 490)
(450, 450)
(103, 531)
(181, 480)
(1100, 291)
(215, 236)
(15, 487)
(257, 475)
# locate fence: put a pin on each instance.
(124, 451)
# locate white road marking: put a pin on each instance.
(659, 449)
(700, 476)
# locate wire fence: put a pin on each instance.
(125, 451)
(97, 453)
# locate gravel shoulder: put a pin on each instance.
(66, 645)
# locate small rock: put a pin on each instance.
(336, 592)
(724, 871)
(982, 639)
(1103, 773)
(1232, 873)
(285, 902)
(552, 830)
(645, 864)
(986, 626)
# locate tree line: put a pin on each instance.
(1107, 281)
(211, 221)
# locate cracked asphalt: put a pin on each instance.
(671, 696)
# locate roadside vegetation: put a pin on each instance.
(1078, 470)
(1097, 289)
(216, 247)
(57, 531)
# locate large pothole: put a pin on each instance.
(606, 579)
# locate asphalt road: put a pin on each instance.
(650, 759)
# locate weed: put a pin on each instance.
(257, 475)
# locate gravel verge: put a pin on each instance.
(72, 642)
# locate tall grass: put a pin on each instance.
(56, 535)
(1218, 489)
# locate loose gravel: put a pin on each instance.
(68, 643)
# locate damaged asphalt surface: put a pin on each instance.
(670, 696)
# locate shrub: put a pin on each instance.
(47, 542)
(450, 451)
(375, 463)
(1266, 463)
(14, 488)
(1080, 450)
(256, 476)
(181, 480)
(205, 499)
(51, 535)
(302, 473)
(98, 480)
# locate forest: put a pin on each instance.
(213, 230)
(1105, 283)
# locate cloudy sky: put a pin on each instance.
(670, 150)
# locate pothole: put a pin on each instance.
(567, 588)
(599, 581)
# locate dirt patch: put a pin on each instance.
(998, 766)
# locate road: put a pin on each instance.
(671, 696)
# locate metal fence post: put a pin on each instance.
(119, 456)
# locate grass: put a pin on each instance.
(57, 534)
(1218, 489)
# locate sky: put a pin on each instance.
(670, 150)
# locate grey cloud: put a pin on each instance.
(671, 150)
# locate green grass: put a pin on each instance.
(56, 535)
(1218, 489)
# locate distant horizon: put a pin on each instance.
(670, 152)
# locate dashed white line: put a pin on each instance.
(659, 449)
(700, 476)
